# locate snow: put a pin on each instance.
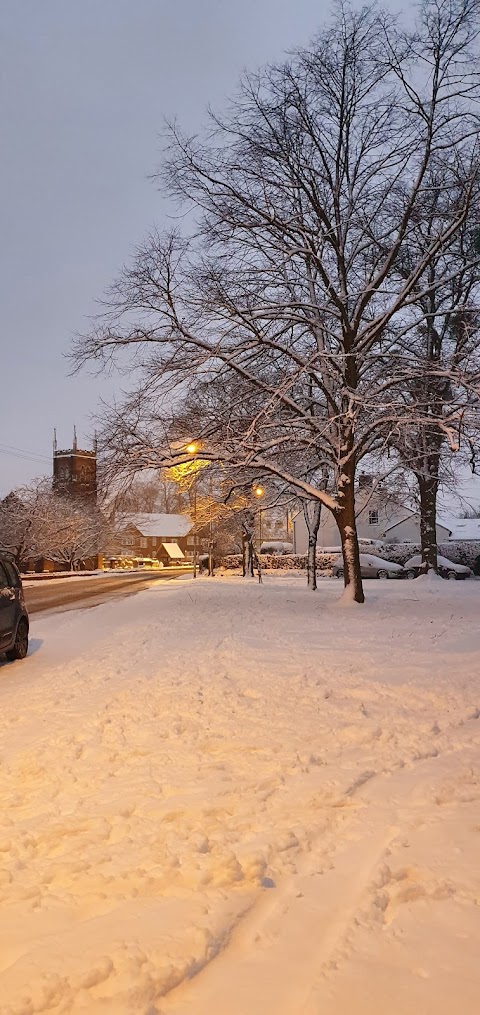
(173, 551)
(225, 797)
(416, 561)
(369, 559)
(464, 528)
(164, 525)
(276, 544)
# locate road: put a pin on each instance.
(69, 593)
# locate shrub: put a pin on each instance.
(458, 551)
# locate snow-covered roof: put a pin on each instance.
(464, 528)
(160, 524)
(173, 550)
(440, 521)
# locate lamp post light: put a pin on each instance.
(259, 492)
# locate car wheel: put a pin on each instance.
(340, 573)
(20, 645)
(452, 576)
(411, 575)
(382, 573)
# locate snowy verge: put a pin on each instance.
(220, 796)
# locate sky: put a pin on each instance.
(85, 90)
(86, 87)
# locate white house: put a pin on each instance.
(465, 528)
(407, 530)
(379, 517)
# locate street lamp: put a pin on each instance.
(259, 492)
(192, 449)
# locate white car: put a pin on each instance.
(371, 567)
(276, 546)
(446, 568)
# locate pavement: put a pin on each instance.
(92, 591)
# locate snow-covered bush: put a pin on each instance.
(458, 551)
(283, 562)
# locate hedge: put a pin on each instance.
(458, 551)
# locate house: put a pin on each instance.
(407, 530)
(165, 537)
(465, 529)
(380, 516)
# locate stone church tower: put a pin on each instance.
(75, 471)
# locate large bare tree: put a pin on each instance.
(303, 201)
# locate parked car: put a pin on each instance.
(371, 567)
(276, 547)
(446, 568)
(13, 612)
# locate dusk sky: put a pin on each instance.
(86, 87)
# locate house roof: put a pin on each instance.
(414, 514)
(173, 551)
(160, 524)
(464, 528)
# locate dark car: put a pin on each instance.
(13, 612)
(371, 566)
(446, 568)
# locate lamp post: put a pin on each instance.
(192, 449)
(210, 533)
(259, 492)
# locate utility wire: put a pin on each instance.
(29, 456)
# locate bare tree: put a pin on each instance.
(438, 364)
(307, 192)
(19, 513)
(36, 522)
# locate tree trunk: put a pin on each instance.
(347, 526)
(428, 489)
(248, 552)
(312, 521)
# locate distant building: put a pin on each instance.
(162, 536)
(75, 471)
(379, 517)
(465, 529)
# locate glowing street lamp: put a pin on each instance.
(192, 449)
(259, 492)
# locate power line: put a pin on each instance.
(29, 456)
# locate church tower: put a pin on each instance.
(75, 471)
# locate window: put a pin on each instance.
(12, 574)
(373, 517)
(191, 541)
(154, 540)
(4, 581)
(144, 542)
(128, 540)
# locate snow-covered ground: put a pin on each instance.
(220, 798)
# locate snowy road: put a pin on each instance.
(68, 593)
(226, 798)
